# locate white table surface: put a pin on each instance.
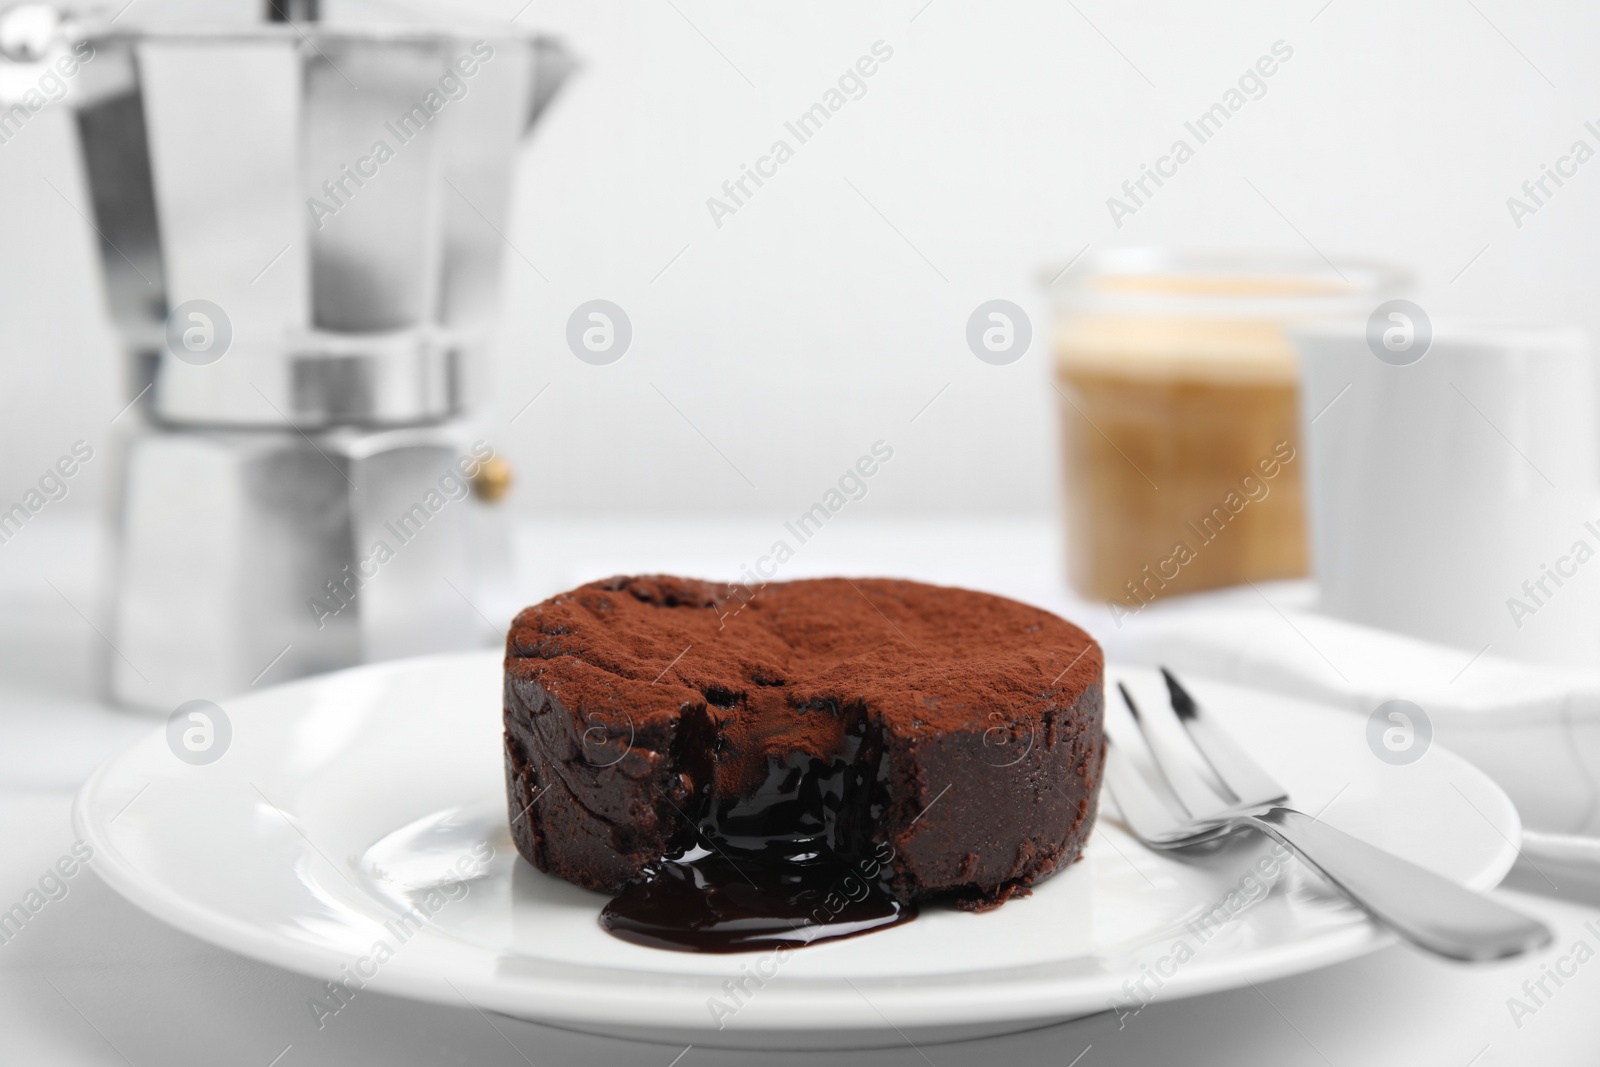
(93, 980)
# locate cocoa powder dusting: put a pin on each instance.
(925, 657)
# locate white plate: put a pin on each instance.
(340, 799)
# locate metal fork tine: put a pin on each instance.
(1427, 909)
(1177, 767)
(1241, 774)
(1146, 814)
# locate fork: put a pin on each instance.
(1223, 791)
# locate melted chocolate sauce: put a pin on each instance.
(789, 864)
(739, 901)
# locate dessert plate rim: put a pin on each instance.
(663, 1003)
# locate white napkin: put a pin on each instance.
(1534, 729)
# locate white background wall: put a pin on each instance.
(806, 326)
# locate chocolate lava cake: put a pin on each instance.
(954, 735)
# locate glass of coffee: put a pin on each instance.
(1178, 392)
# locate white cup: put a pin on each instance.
(1454, 482)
